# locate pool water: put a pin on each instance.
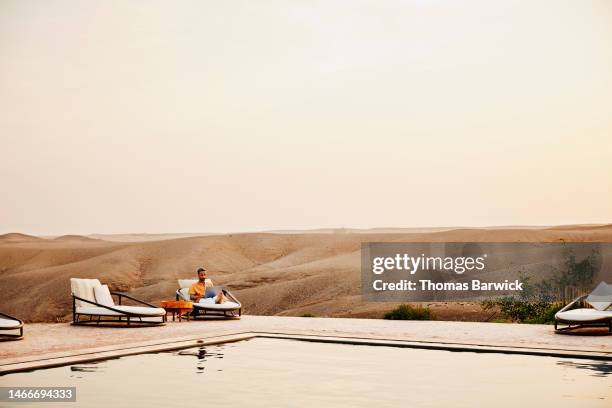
(287, 373)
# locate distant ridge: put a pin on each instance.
(582, 227)
(420, 230)
(74, 238)
(146, 237)
(18, 237)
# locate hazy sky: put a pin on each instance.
(145, 116)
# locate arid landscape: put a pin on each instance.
(291, 273)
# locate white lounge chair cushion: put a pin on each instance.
(84, 288)
(209, 303)
(103, 295)
(186, 283)
(583, 315)
(8, 323)
(601, 297)
(140, 310)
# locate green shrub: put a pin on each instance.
(547, 316)
(534, 310)
(407, 312)
(539, 301)
(307, 315)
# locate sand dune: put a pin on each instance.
(272, 273)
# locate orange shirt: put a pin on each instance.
(197, 289)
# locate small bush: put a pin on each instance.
(501, 321)
(407, 312)
(534, 310)
(547, 316)
(308, 315)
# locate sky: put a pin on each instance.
(216, 116)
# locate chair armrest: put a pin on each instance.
(179, 296)
(231, 297)
(12, 318)
(573, 302)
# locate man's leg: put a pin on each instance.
(220, 297)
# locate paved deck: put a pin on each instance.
(52, 344)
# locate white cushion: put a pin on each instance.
(209, 303)
(149, 311)
(103, 295)
(601, 297)
(97, 311)
(84, 288)
(141, 310)
(8, 323)
(583, 315)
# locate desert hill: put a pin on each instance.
(77, 238)
(144, 237)
(17, 237)
(271, 273)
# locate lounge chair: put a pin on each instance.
(10, 324)
(91, 299)
(599, 315)
(231, 308)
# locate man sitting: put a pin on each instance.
(199, 291)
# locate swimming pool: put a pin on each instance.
(266, 372)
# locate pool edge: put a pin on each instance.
(89, 355)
